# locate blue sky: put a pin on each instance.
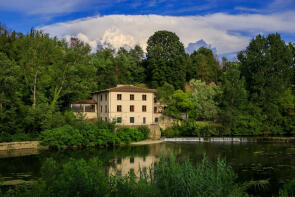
(231, 19)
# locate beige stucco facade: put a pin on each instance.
(131, 112)
(126, 105)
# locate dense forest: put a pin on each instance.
(41, 75)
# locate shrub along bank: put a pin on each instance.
(168, 178)
(92, 135)
(192, 129)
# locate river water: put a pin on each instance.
(251, 161)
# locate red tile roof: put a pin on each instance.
(127, 88)
(85, 102)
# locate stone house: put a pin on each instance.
(124, 104)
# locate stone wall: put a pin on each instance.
(19, 145)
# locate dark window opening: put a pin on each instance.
(77, 108)
(144, 108)
(144, 97)
(90, 108)
(131, 108)
(131, 97)
(131, 119)
(119, 96)
(156, 119)
(119, 108)
(119, 120)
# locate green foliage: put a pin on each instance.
(168, 178)
(204, 179)
(267, 66)
(164, 93)
(128, 135)
(204, 66)
(200, 104)
(204, 99)
(92, 135)
(191, 129)
(166, 60)
(289, 188)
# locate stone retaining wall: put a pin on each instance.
(7, 146)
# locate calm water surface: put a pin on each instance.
(251, 161)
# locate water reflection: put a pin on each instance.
(252, 161)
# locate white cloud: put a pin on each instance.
(228, 33)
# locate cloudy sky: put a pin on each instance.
(227, 25)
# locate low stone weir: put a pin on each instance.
(211, 139)
(230, 139)
(183, 139)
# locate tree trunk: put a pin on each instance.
(34, 90)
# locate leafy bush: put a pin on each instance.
(18, 137)
(204, 179)
(191, 129)
(128, 135)
(91, 135)
(63, 136)
(289, 189)
(145, 131)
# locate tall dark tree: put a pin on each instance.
(166, 60)
(204, 66)
(266, 65)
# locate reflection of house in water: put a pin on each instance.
(124, 165)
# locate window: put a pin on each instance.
(131, 97)
(77, 107)
(106, 109)
(100, 108)
(90, 108)
(156, 119)
(131, 119)
(119, 96)
(144, 120)
(119, 161)
(144, 108)
(106, 97)
(144, 97)
(131, 159)
(119, 108)
(119, 120)
(155, 109)
(106, 119)
(131, 108)
(101, 97)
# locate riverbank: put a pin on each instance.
(147, 142)
(35, 145)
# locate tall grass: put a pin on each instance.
(167, 178)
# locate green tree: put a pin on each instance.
(204, 98)
(266, 65)
(180, 105)
(166, 60)
(204, 66)
(164, 93)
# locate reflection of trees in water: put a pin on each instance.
(274, 161)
